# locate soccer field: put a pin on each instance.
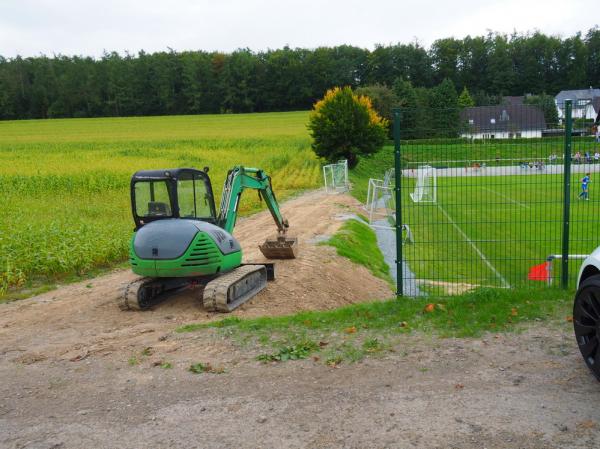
(489, 230)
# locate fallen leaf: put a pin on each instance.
(322, 344)
(459, 386)
(350, 330)
(316, 358)
(441, 307)
(403, 324)
(570, 319)
(514, 311)
(429, 308)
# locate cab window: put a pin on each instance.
(193, 197)
(152, 199)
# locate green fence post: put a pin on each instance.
(564, 280)
(397, 181)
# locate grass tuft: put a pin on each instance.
(299, 351)
(357, 242)
(467, 315)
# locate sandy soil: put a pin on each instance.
(67, 380)
(83, 319)
(514, 391)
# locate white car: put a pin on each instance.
(586, 312)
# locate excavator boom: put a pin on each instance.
(241, 178)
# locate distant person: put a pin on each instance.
(588, 157)
(552, 158)
(585, 193)
(597, 133)
(597, 157)
(577, 158)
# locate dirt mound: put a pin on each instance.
(79, 320)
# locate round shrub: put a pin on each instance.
(344, 125)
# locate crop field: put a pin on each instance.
(65, 183)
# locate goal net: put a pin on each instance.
(336, 177)
(425, 186)
(379, 204)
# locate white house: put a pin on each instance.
(502, 122)
(584, 103)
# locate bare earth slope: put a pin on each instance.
(76, 372)
(83, 318)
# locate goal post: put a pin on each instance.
(425, 186)
(336, 177)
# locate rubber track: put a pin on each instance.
(128, 300)
(216, 292)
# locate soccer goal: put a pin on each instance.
(336, 177)
(426, 185)
(380, 199)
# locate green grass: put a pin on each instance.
(515, 222)
(298, 351)
(200, 368)
(357, 242)
(65, 183)
(352, 332)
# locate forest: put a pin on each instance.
(286, 79)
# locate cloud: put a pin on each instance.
(29, 27)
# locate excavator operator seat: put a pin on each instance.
(158, 209)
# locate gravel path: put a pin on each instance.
(386, 240)
(523, 391)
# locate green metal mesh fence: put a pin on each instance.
(483, 193)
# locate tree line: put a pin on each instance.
(195, 82)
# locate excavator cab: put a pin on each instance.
(172, 193)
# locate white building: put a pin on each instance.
(586, 103)
(502, 122)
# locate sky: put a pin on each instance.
(91, 27)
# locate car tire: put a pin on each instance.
(586, 322)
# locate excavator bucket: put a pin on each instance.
(281, 247)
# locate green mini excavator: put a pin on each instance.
(180, 242)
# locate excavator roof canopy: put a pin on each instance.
(167, 173)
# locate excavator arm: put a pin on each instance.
(239, 179)
(242, 178)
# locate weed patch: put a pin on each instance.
(296, 352)
(350, 333)
(199, 368)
